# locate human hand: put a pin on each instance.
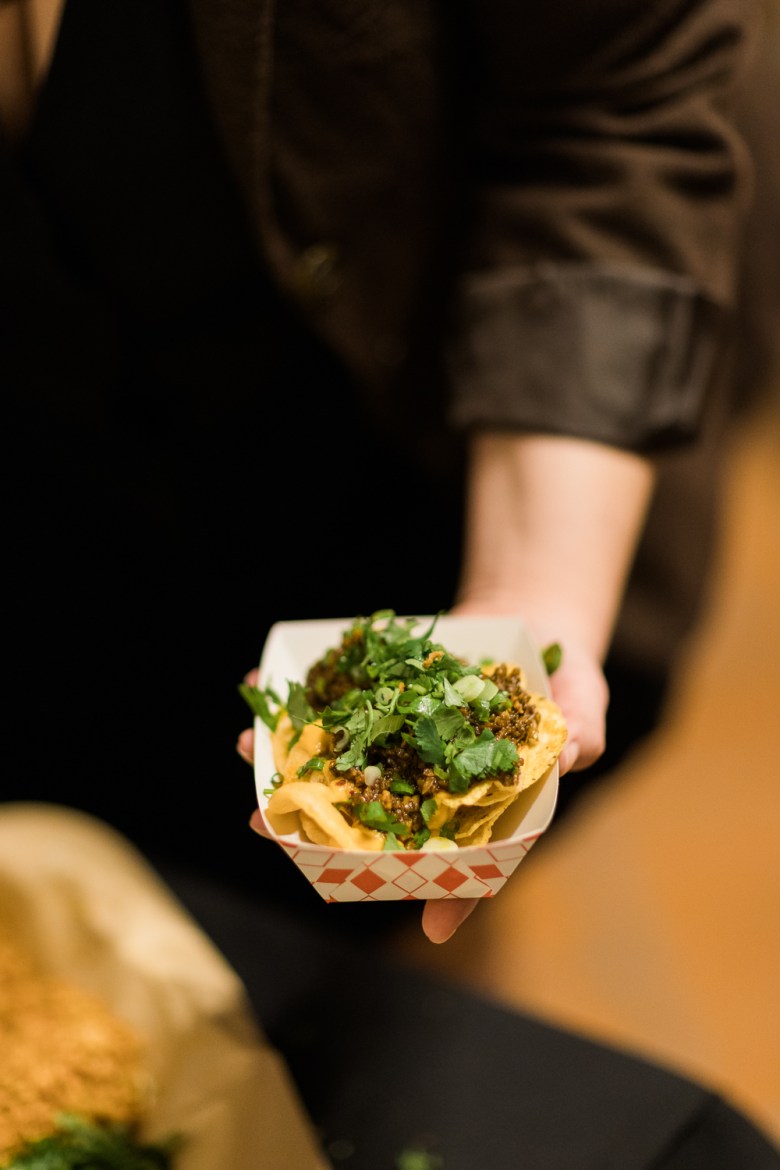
(579, 689)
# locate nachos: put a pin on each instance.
(393, 742)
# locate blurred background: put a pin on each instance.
(650, 917)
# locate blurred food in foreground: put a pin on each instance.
(65, 1056)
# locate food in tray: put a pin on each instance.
(73, 1085)
(393, 742)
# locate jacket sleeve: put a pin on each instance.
(609, 190)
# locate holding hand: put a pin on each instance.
(579, 689)
(551, 527)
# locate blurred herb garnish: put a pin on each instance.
(417, 1159)
(81, 1145)
(552, 656)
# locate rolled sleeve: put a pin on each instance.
(610, 187)
(608, 353)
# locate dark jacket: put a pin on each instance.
(559, 186)
(550, 195)
(553, 194)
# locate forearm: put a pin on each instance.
(552, 524)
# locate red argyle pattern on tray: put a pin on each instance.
(342, 876)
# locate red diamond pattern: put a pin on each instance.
(333, 877)
(450, 879)
(486, 871)
(368, 881)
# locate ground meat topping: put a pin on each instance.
(520, 722)
(339, 671)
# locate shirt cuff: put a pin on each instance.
(619, 355)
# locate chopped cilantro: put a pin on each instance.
(399, 690)
(81, 1145)
(552, 656)
(374, 816)
(429, 742)
(298, 707)
(385, 725)
(402, 788)
(427, 809)
(259, 703)
(484, 757)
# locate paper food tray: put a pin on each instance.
(476, 871)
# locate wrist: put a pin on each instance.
(547, 620)
(551, 528)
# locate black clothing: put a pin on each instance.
(187, 462)
(424, 1065)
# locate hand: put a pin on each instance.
(580, 690)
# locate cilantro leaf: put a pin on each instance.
(258, 701)
(448, 722)
(374, 816)
(298, 707)
(485, 757)
(552, 656)
(385, 725)
(428, 741)
(402, 788)
(427, 809)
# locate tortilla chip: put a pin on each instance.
(321, 821)
(476, 811)
(314, 740)
(476, 827)
(540, 756)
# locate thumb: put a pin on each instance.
(440, 919)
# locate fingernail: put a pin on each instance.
(568, 758)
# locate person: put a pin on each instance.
(308, 313)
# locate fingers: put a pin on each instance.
(245, 744)
(258, 825)
(440, 919)
(580, 690)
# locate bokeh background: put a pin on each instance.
(651, 916)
